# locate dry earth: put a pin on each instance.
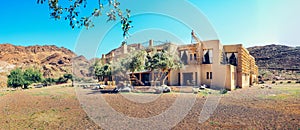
(58, 108)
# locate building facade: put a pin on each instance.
(204, 62)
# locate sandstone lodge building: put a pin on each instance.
(205, 62)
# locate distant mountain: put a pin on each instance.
(53, 61)
(276, 56)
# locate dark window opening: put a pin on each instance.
(179, 78)
(184, 58)
(206, 58)
(233, 60)
(207, 75)
(196, 78)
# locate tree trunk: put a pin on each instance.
(163, 82)
(132, 76)
(166, 76)
(98, 77)
(25, 86)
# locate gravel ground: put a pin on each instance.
(64, 108)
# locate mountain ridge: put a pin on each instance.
(276, 56)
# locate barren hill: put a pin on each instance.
(276, 56)
(53, 61)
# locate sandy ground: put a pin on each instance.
(59, 108)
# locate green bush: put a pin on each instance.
(289, 82)
(61, 80)
(15, 78)
(19, 78)
(31, 76)
(49, 81)
(223, 91)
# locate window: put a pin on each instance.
(196, 78)
(184, 57)
(207, 56)
(195, 57)
(191, 57)
(231, 58)
(207, 75)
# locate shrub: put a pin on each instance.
(31, 76)
(273, 82)
(223, 91)
(281, 82)
(289, 82)
(49, 81)
(19, 78)
(298, 81)
(15, 78)
(61, 80)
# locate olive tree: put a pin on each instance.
(130, 63)
(72, 11)
(136, 63)
(69, 77)
(102, 72)
(162, 62)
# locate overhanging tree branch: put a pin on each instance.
(72, 13)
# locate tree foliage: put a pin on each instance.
(103, 71)
(155, 61)
(31, 76)
(15, 78)
(72, 12)
(49, 81)
(61, 80)
(19, 78)
(163, 62)
(131, 63)
(136, 61)
(120, 69)
(68, 76)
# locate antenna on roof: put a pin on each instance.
(195, 38)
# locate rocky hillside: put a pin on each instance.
(276, 56)
(51, 60)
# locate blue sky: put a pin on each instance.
(250, 22)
